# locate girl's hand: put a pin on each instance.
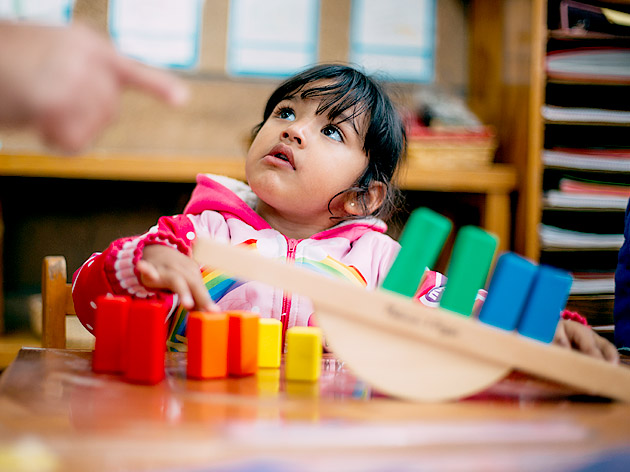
(572, 334)
(166, 268)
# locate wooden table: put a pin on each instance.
(60, 413)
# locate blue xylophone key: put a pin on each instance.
(546, 301)
(508, 290)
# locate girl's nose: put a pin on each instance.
(296, 133)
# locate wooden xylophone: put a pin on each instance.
(411, 351)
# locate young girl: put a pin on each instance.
(320, 171)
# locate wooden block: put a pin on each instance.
(269, 342)
(507, 294)
(545, 303)
(242, 343)
(421, 242)
(303, 359)
(110, 326)
(207, 335)
(468, 269)
(145, 344)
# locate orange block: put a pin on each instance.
(242, 343)
(207, 335)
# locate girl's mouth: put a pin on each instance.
(283, 153)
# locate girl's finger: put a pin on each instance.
(609, 350)
(199, 291)
(174, 281)
(148, 272)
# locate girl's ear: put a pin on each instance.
(361, 204)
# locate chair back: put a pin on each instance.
(56, 302)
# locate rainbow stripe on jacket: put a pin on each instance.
(219, 285)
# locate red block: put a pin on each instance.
(207, 335)
(242, 343)
(110, 326)
(145, 344)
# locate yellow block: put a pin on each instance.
(304, 353)
(269, 341)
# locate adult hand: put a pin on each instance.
(67, 82)
(165, 268)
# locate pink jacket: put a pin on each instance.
(221, 208)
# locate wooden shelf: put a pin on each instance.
(155, 168)
(115, 166)
(495, 181)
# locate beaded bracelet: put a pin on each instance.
(574, 316)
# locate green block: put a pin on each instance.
(468, 268)
(421, 241)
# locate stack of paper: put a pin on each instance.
(591, 65)
(594, 187)
(553, 238)
(585, 115)
(592, 282)
(588, 194)
(588, 159)
(560, 199)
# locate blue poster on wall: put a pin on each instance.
(394, 38)
(49, 12)
(273, 38)
(163, 33)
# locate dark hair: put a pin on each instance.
(384, 140)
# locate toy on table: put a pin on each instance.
(269, 343)
(508, 291)
(110, 326)
(303, 360)
(207, 335)
(437, 354)
(144, 349)
(242, 343)
(419, 250)
(130, 337)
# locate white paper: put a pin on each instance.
(49, 12)
(165, 33)
(584, 286)
(583, 161)
(395, 38)
(584, 115)
(558, 238)
(272, 37)
(559, 199)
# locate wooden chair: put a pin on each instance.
(56, 302)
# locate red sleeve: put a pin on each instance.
(113, 271)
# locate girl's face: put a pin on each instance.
(300, 160)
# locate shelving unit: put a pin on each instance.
(509, 86)
(585, 152)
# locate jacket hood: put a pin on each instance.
(233, 198)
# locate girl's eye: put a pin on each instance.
(332, 132)
(286, 114)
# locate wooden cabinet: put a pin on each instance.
(554, 80)
(585, 151)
